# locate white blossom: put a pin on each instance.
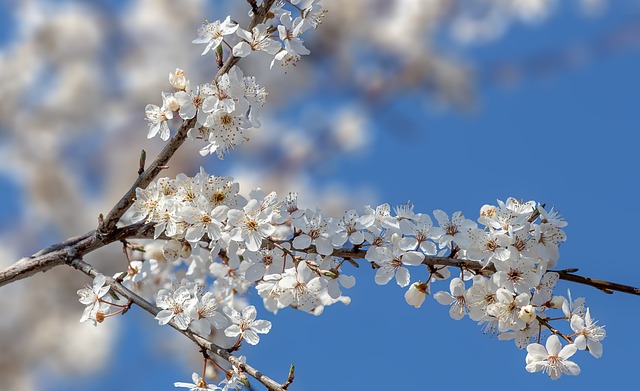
(246, 325)
(552, 359)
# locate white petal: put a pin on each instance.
(571, 368)
(412, 258)
(567, 351)
(384, 275)
(553, 345)
(324, 247)
(232, 331)
(347, 281)
(251, 337)
(443, 298)
(535, 366)
(536, 352)
(333, 289)
(249, 313)
(301, 242)
(242, 49)
(261, 326)
(163, 317)
(402, 277)
(595, 348)
(255, 272)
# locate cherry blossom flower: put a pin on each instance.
(480, 296)
(178, 80)
(202, 218)
(552, 359)
(392, 261)
(289, 35)
(516, 276)
(212, 34)
(173, 304)
(246, 325)
(91, 295)
(456, 299)
(300, 288)
(350, 228)
(507, 308)
(158, 117)
(315, 230)
(455, 230)
(251, 225)
(258, 39)
(204, 311)
(589, 335)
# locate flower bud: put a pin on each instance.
(416, 294)
(178, 80)
(172, 103)
(556, 302)
(527, 313)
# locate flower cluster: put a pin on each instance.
(294, 257)
(228, 107)
(189, 307)
(219, 243)
(224, 109)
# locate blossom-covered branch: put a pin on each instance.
(211, 244)
(202, 343)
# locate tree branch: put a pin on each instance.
(106, 233)
(203, 343)
(605, 286)
(70, 249)
(143, 180)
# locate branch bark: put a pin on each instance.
(70, 249)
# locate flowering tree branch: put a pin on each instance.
(294, 257)
(202, 343)
(178, 139)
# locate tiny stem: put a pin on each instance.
(296, 7)
(125, 306)
(553, 330)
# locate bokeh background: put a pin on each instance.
(450, 104)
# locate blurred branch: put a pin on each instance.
(620, 38)
(203, 343)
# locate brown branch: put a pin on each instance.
(202, 343)
(143, 180)
(72, 248)
(605, 286)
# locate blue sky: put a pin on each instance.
(569, 140)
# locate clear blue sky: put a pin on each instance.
(569, 139)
